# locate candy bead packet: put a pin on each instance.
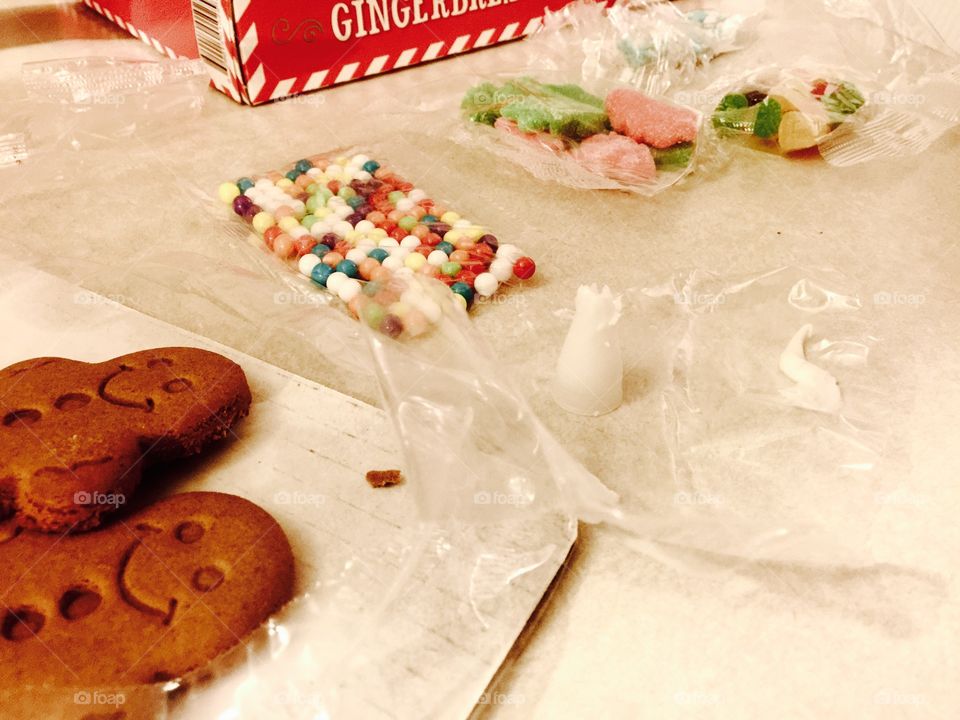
(362, 233)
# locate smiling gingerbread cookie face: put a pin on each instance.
(74, 436)
(144, 599)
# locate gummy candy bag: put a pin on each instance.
(625, 140)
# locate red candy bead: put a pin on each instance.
(432, 239)
(398, 233)
(466, 276)
(343, 247)
(304, 244)
(424, 250)
(333, 186)
(270, 234)
(524, 268)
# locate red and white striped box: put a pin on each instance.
(258, 50)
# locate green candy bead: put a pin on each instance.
(407, 223)
(373, 314)
(309, 220)
(313, 203)
(450, 268)
(347, 192)
(312, 188)
(395, 196)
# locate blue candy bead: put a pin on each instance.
(320, 250)
(356, 201)
(320, 273)
(371, 166)
(378, 254)
(293, 175)
(445, 246)
(303, 165)
(427, 219)
(244, 184)
(348, 268)
(464, 291)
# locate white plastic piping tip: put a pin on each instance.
(815, 388)
(589, 379)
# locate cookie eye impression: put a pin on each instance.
(162, 574)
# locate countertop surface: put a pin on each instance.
(626, 633)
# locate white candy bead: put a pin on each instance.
(429, 308)
(347, 289)
(335, 279)
(356, 255)
(342, 227)
(438, 258)
(314, 171)
(486, 284)
(360, 159)
(263, 184)
(410, 241)
(502, 269)
(364, 176)
(319, 229)
(510, 253)
(389, 242)
(405, 204)
(399, 252)
(307, 263)
(297, 232)
(364, 226)
(392, 263)
(417, 195)
(299, 209)
(343, 211)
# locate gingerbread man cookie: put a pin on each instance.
(144, 599)
(74, 436)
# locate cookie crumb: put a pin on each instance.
(384, 478)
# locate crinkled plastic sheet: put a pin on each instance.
(467, 431)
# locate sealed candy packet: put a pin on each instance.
(361, 232)
(789, 115)
(624, 140)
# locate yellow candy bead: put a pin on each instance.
(228, 191)
(341, 161)
(353, 237)
(399, 309)
(415, 261)
(377, 234)
(288, 223)
(449, 217)
(261, 221)
(321, 212)
(451, 236)
(284, 182)
(474, 232)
